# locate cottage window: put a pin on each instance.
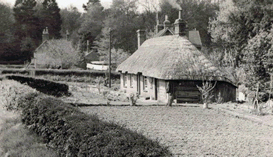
(151, 83)
(125, 81)
(145, 83)
(131, 81)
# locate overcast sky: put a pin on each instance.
(66, 3)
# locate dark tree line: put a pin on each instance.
(123, 18)
(30, 18)
(242, 32)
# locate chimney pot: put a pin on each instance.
(180, 14)
(141, 37)
(166, 23)
(45, 35)
(180, 25)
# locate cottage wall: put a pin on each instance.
(226, 90)
(148, 91)
(161, 91)
(188, 90)
(128, 87)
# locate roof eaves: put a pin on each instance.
(44, 42)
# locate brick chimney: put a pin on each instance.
(45, 35)
(180, 25)
(141, 37)
(167, 23)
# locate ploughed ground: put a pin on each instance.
(192, 131)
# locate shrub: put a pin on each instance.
(133, 97)
(73, 133)
(205, 90)
(11, 91)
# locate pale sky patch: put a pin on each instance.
(67, 3)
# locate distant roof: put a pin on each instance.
(54, 45)
(92, 56)
(172, 57)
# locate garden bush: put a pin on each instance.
(73, 133)
(41, 85)
(11, 91)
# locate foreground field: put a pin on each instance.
(192, 131)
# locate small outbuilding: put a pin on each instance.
(171, 62)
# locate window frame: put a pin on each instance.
(145, 83)
(131, 80)
(151, 83)
(125, 79)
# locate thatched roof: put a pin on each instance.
(172, 57)
(54, 46)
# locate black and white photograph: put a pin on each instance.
(136, 78)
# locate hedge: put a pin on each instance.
(74, 133)
(41, 85)
(62, 72)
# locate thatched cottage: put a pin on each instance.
(171, 62)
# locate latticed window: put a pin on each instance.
(151, 83)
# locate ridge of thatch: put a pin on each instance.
(172, 57)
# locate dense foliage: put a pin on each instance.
(243, 33)
(21, 28)
(90, 30)
(50, 17)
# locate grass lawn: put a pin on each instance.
(192, 131)
(15, 139)
(18, 141)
